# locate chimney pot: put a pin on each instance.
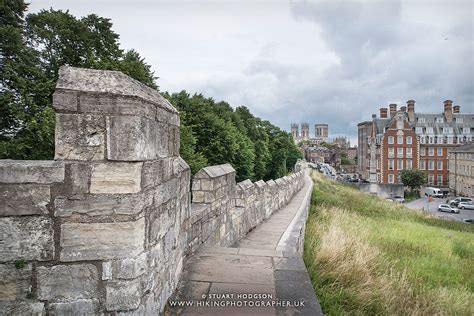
(456, 109)
(374, 116)
(393, 109)
(403, 108)
(383, 112)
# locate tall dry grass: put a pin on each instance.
(354, 272)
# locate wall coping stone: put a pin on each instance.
(110, 82)
(214, 171)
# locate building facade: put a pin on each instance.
(461, 170)
(405, 139)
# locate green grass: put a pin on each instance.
(368, 256)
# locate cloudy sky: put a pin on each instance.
(328, 61)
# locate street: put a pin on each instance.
(433, 209)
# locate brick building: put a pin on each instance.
(461, 170)
(404, 139)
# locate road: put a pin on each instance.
(433, 209)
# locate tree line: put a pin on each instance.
(35, 45)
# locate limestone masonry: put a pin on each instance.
(107, 225)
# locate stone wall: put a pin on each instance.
(106, 226)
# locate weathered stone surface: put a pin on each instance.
(78, 175)
(67, 282)
(22, 308)
(65, 101)
(31, 171)
(97, 241)
(214, 171)
(80, 137)
(132, 138)
(107, 270)
(15, 284)
(118, 177)
(24, 199)
(100, 204)
(130, 268)
(79, 307)
(122, 295)
(28, 238)
(110, 82)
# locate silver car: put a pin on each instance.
(447, 208)
(466, 206)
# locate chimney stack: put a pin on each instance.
(393, 109)
(383, 112)
(411, 110)
(403, 108)
(448, 110)
(456, 109)
(374, 116)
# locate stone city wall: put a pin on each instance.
(105, 227)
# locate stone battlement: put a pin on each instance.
(107, 226)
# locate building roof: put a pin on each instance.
(467, 148)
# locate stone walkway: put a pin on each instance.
(266, 263)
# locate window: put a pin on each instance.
(440, 152)
(431, 151)
(409, 164)
(400, 140)
(378, 177)
(429, 130)
(447, 130)
(409, 152)
(399, 152)
(390, 139)
(391, 152)
(390, 178)
(439, 120)
(399, 164)
(423, 165)
(440, 179)
(422, 151)
(409, 140)
(466, 130)
(419, 130)
(378, 164)
(390, 164)
(439, 165)
(421, 120)
(459, 120)
(430, 179)
(430, 165)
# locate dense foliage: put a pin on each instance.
(214, 133)
(34, 47)
(32, 50)
(414, 178)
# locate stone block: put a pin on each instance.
(101, 204)
(152, 173)
(78, 177)
(80, 137)
(79, 307)
(25, 171)
(118, 177)
(27, 238)
(22, 308)
(65, 101)
(198, 197)
(15, 284)
(67, 282)
(24, 199)
(130, 268)
(132, 138)
(122, 295)
(98, 241)
(107, 270)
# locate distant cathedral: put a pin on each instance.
(320, 132)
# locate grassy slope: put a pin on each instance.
(366, 255)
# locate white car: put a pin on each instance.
(447, 208)
(466, 206)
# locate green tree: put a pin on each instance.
(413, 178)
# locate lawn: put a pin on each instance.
(368, 256)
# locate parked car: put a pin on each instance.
(466, 206)
(398, 198)
(434, 192)
(447, 208)
(456, 201)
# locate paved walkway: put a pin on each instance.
(266, 263)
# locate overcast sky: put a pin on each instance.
(334, 62)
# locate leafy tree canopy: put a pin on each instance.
(413, 178)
